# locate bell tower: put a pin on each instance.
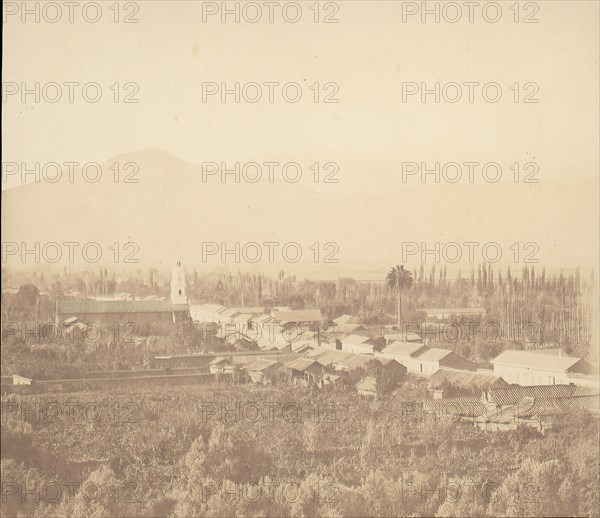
(178, 285)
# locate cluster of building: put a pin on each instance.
(509, 407)
(310, 350)
(319, 367)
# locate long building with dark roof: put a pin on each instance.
(143, 316)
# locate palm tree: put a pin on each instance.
(399, 279)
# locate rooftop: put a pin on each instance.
(260, 365)
(409, 349)
(118, 306)
(355, 339)
(220, 359)
(302, 315)
(346, 319)
(465, 407)
(433, 355)
(403, 337)
(536, 361)
(504, 396)
(300, 364)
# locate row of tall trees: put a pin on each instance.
(532, 305)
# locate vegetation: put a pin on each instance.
(399, 280)
(236, 450)
(239, 451)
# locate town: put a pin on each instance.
(367, 359)
(267, 346)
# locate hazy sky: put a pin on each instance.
(370, 132)
(369, 53)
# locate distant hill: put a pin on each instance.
(170, 212)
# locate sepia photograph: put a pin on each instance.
(306, 259)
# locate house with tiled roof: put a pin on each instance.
(529, 368)
(538, 412)
(452, 410)
(452, 381)
(511, 395)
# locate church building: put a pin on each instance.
(148, 316)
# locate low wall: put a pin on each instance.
(147, 373)
(200, 360)
(74, 385)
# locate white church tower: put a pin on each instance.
(178, 285)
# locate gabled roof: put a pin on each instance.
(511, 395)
(433, 355)
(574, 404)
(339, 359)
(407, 349)
(260, 365)
(354, 361)
(265, 344)
(300, 364)
(390, 362)
(253, 310)
(270, 340)
(235, 337)
(303, 345)
(586, 391)
(242, 318)
(346, 319)
(119, 306)
(355, 339)
(220, 359)
(536, 361)
(349, 328)
(302, 315)
(403, 337)
(260, 319)
(531, 407)
(228, 313)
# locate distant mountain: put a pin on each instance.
(170, 212)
